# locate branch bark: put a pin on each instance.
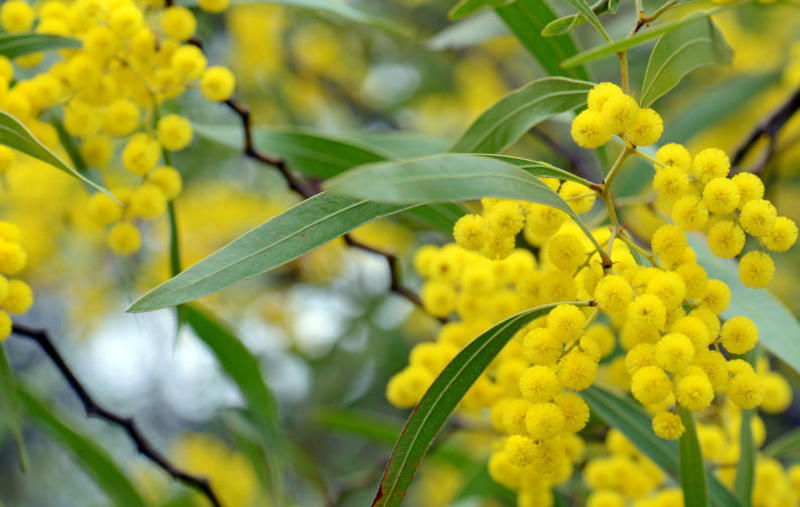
(95, 409)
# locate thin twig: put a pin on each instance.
(94, 409)
(769, 127)
(574, 161)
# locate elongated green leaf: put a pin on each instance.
(692, 470)
(9, 407)
(441, 216)
(340, 8)
(479, 484)
(285, 237)
(745, 468)
(785, 445)
(614, 47)
(588, 14)
(310, 152)
(566, 23)
(627, 416)
(381, 430)
(512, 116)
(242, 367)
(97, 463)
(778, 329)
(469, 32)
(399, 144)
(681, 51)
(527, 19)
(453, 178)
(439, 402)
(13, 45)
(17, 136)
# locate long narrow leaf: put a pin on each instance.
(778, 329)
(17, 136)
(13, 45)
(627, 416)
(97, 463)
(281, 239)
(527, 19)
(588, 14)
(9, 407)
(785, 445)
(692, 471)
(439, 402)
(677, 53)
(566, 23)
(512, 116)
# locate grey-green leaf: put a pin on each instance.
(527, 19)
(13, 45)
(285, 237)
(786, 445)
(466, 7)
(691, 469)
(512, 116)
(778, 329)
(588, 14)
(439, 402)
(453, 178)
(613, 47)
(17, 136)
(681, 51)
(9, 407)
(96, 461)
(469, 32)
(627, 416)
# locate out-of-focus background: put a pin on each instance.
(325, 329)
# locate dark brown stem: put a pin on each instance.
(769, 127)
(94, 409)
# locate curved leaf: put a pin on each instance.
(787, 444)
(13, 45)
(281, 239)
(466, 7)
(9, 407)
(588, 14)
(527, 19)
(441, 399)
(681, 51)
(507, 120)
(17, 136)
(97, 463)
(745, 468)
(453, 178)
(628, 417)
(778, 329)
(692, 470)
(613, 47)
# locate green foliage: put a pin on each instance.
(588, 14)
(13, 45)
(10, 408)
(94, 460)
(565, 24)
(441, 399)
(17, 136)
(691, 470)
(681, 51)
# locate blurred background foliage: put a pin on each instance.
(324, 330)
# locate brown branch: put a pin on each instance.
(303, 190)
(769, 127)
(94, 409)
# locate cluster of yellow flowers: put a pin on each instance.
(134, 56)
(665, 316)
(15, 295)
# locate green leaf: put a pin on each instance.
(379, 429)
(512, 116)
(681, 51)
(613, 5)
(96, 461)
(243, 368)
(439, 402)
(566, 23)
(313, 153)
(692, 470)
(469, 32)
(441, 216)
(527, 19)
(614, 47)
(13, 45)
(745, 468)
(466, 7)
(281, 239)
(17, 136)
(453, 178)
(340, 8)
(479, 484)
(785, 445)
(778, 329)
(627, 416)
(10, 409)
(400, 144)
(588, 14)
